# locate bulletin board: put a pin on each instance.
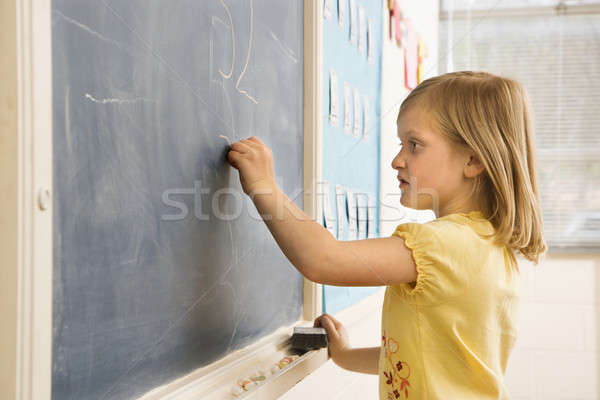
(352, 35)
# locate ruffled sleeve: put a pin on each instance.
(420, 239)
(447, 256)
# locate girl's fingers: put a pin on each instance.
(328, 325)
(255, 140)
(338, 325)
(254, 161)
(335, 322)
(327, 322)
(240, 147)
(251, 145)
(317, 322)
(232, 159)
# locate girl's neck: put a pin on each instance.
(464, 207)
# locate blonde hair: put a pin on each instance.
(491, 116)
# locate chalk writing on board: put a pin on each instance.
(226, 138)
(118, 101)
(157, 56)
(227, 76)
(237, 84)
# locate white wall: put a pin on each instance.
(557, 355)
(425, 16)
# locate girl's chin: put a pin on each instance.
(405, 200)
(407, 203)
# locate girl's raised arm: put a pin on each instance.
(309, 246)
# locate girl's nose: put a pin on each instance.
(398, 162)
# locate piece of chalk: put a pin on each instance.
(237, 391)
(265, 373)
(305, 338)
(243, 382)
(258, 376)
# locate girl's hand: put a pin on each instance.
(339, 345)
(254, 161)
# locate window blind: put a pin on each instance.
(556, 55)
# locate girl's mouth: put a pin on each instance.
(403, 183)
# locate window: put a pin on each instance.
(554, 50)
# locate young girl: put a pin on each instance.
(451, 304)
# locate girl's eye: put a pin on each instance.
(412, 145)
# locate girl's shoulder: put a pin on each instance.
(452, 232)
(473, 222)
(450, 238)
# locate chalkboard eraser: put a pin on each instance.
(305, 338)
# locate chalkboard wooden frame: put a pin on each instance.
(26, 201)
(313, 165)
(26, 237)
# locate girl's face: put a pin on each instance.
(431, 172)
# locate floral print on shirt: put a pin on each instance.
(396, 372)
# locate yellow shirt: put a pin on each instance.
(449, 335)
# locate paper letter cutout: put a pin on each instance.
(353, 27)
(327, 9)
(423, 53)
(370, 42)
(398, 24)
(347, 109)
(362, 30)
(366, 118)
(361, 200)
(341, 14)
(352, 215)
(327, 211)
(333, 98)
(411, 56)
(357, 125)
(371, 227)
(342, 214)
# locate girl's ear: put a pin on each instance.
(474, 167)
